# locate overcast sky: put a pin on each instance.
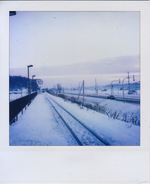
(46, 39)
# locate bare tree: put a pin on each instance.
(59, 88)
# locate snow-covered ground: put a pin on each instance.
(128, 112)
(115, 131)
(38, 125)
(13, 95)
(116, 92)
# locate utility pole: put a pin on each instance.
(80, 91)
(83, 93)
(96, 87)
(79, 86)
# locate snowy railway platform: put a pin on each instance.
(41, 126)
(37, 126)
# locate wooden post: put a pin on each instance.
(17, 118)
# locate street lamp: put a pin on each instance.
(112, 85)
(33, 83)
(29, 86)
(123, 84)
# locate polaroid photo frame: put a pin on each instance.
(72, 164)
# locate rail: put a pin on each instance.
(16, 106)
(102, 140)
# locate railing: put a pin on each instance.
(16, 106)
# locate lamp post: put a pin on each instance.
(128, 83)
(33, 83)
(29, 85)
(123, 84)
(112, 85)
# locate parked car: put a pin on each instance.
(132, 91)
(111, 97)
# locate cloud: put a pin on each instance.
(117, 65)
(102, 67)
(105, 69)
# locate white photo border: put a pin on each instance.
(62, 164)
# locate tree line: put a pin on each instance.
(18, 82)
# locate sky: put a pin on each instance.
(68, 47)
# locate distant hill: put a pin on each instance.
(135, 85)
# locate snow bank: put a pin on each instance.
(123, 111)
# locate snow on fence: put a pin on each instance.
(16, 106)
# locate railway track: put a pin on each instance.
(82, 134)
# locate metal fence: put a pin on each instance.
(16, 106)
